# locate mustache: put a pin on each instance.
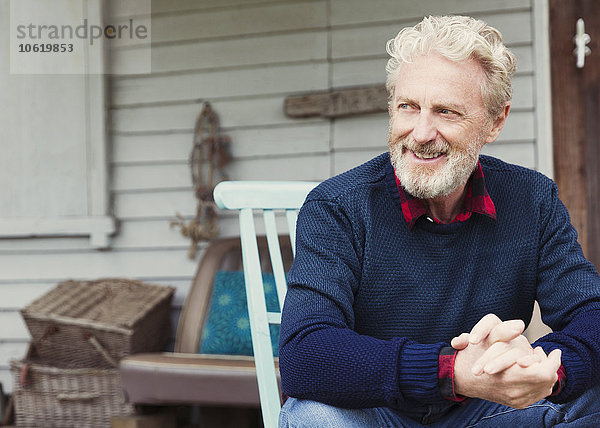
(430, 148)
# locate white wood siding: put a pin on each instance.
(245, 57)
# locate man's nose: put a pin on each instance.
(424, 130)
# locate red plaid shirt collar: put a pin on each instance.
(477, 200)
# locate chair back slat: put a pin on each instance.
(291, 217)
(275, 253)
(249, 198)
(259, 322)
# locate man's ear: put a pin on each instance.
(498, 124)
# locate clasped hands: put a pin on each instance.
(495, 362)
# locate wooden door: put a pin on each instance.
(576, 118)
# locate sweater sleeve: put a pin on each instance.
(322, 357)
(569, 296)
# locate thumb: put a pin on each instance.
(555, 358)
(460, 342)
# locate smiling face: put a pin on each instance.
(438, 124)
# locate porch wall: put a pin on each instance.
(245, 57)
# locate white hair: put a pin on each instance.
(457, 38)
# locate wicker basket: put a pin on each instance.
(93, 324)
(50, 397)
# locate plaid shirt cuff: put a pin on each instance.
(446, 374)
(561, 382)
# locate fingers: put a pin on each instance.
(492, 352)
(482, 329)
(506, 331)
(460, 342)
(548, 369)
(492, 328)
(529, 360)
(551, 362)
(502, 355)
(489, 328)
(509, 358)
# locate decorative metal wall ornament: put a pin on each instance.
(208, 158)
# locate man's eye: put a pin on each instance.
(448, 112)
(403, 106)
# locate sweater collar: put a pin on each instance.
(477, 200)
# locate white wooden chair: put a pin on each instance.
(250, 198)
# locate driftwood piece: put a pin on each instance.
(338, 103)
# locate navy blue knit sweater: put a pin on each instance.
(371, 303)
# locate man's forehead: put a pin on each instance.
(437, 101)
(439, 80)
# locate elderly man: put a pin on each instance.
(399, 258)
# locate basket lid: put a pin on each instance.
(112, 301)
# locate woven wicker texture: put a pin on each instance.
(93, 324)
(50, 397)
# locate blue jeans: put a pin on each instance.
(579, 413)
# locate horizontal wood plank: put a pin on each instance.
(119, 8)
(289, 141)
(362, 132)
(220, 84)
(43, 244)
(145, 177)
(130, 178)
(345, 160)
(151, 234)
(266, 111)
(166, 118)
(358, 72)
(93, 265)
(155, 234)
(219, 54)
(170, 6)
(13, 326)
(17, 296)
(12, 350)
(236, 22)
(349, 12)
(520, 125)
(159, 204)
(284, 140)
(518, 153)
(311, 167)
(158, 234)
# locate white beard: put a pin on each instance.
(425, 182)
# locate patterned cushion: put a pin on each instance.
(227, 329)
